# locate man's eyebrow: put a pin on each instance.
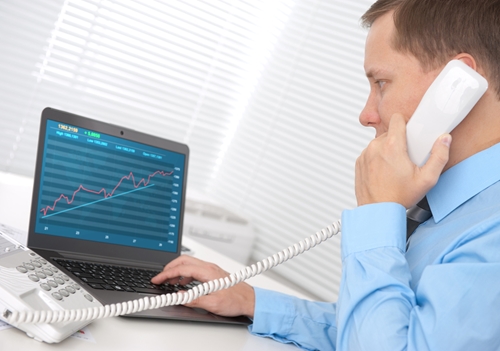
(373, 72)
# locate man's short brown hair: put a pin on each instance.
(434, 31)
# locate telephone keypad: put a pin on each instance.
(50, 278)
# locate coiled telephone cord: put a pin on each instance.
(146, 303)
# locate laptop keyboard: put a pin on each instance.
(109, 277)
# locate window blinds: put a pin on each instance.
(266, 94)
(179, 69)
(291, 163)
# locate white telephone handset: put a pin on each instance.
(25, 303)
(445, 104)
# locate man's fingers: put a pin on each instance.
(171, 267)
(187, 273)
(397, 128)
(438, 159)
(185, 270)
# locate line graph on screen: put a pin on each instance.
(105, 194)
(96, 188)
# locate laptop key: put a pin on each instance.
(151, 291)
(96, 286)
(83, 275)
(93, 281)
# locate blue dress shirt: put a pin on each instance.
(442, 294)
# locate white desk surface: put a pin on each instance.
(131, 334)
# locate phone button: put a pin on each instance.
(41, 275)
(34, 278)
(52, 283)
(22, 269)
(64, 293)
(57, 296)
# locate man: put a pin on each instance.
(443, 292)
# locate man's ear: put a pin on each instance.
(468, 59)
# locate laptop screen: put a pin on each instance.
(93, 186)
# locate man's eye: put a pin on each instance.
(380, 83)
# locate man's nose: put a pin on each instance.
(369, 116)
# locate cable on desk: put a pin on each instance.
(179, 298)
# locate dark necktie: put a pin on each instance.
(417, 215)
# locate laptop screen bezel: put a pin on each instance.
(92, 249)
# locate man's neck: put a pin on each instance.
(478, 131)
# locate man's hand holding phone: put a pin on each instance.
(385, 173)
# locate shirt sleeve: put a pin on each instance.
(451, 307)
(307, 324)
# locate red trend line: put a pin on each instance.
(103, 191)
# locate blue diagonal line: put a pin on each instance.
(103, 199)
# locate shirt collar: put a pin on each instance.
(463, 181)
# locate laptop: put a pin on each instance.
(107, 209)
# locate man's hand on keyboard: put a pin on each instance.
(236, 301)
